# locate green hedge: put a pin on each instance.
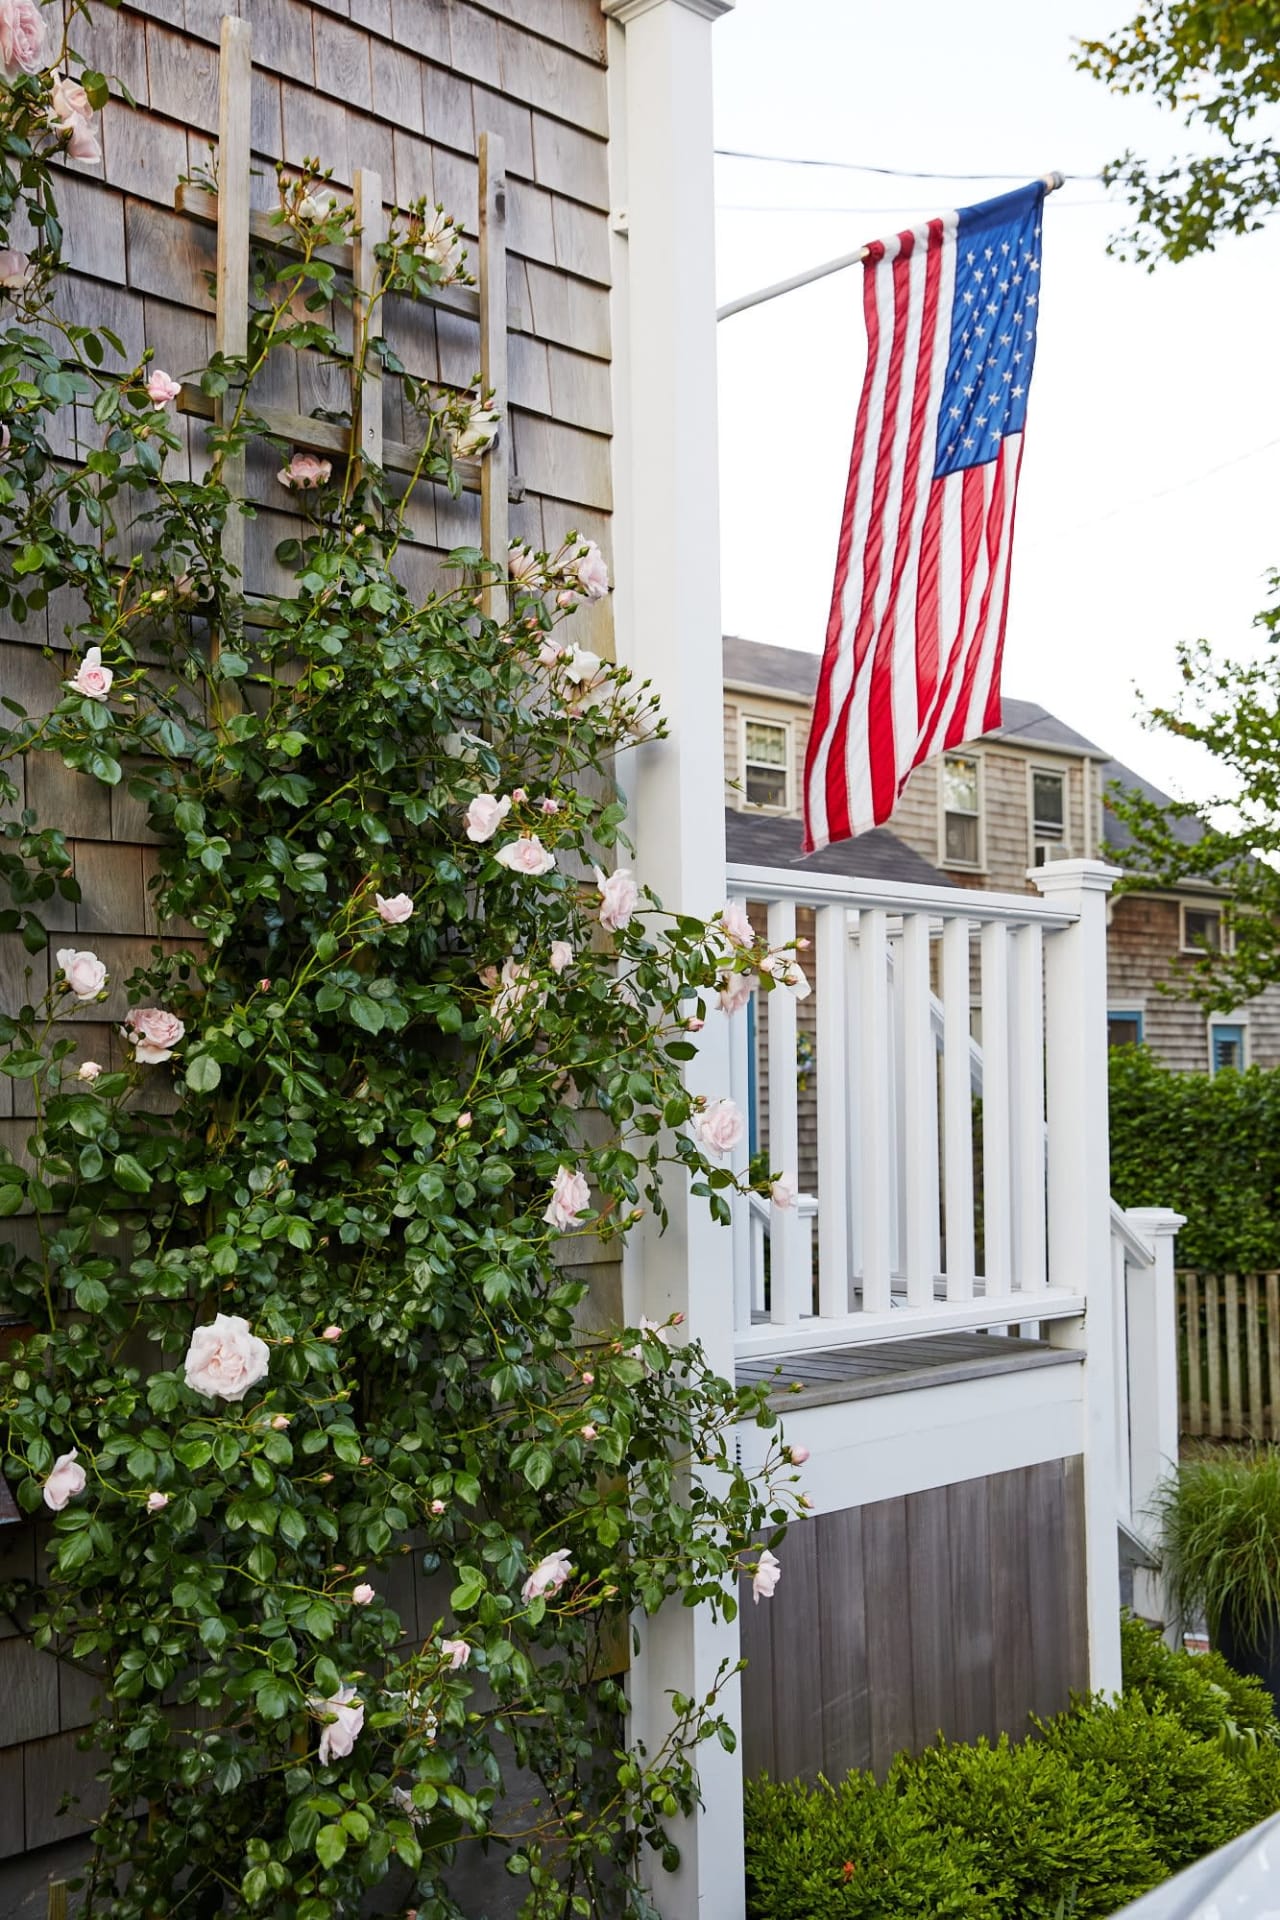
(1090, 1811)
(1209, 1147)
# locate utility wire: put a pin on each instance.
(897, 173)
(752, 206)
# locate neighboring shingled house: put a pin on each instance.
(1031, 791)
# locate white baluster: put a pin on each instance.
(1027, 1080)
(957, 1099)
(873, 972)
(920, 1104)
(997, 1210)
(790, 1286)
(831, 942)
(740, 1093)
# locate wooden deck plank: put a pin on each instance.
(860, 1373)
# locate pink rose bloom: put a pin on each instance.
(88, 1071)
(526, 855)
(516, 985)
(588, 1432)
(720, 1126)
(548, 1576)
(693, 1024)
(619, 897)
(21, 37)
(736, 991)
(588, 1379)
(798, 1455)
(766, 1577)
(340, 1735)
(524, 569)
(15, 268)
(91, 678)
(225, 1358)
(570, 1199)
(551, 653)
(66, 1479)
(463, 1121)
(153, 1033)
(361, 1595)
(161, 389)
(437, 1506)
(733, 918)
(485, 815)
(550, 806)
(73, 114)
(395, 911)
(332, 1332)
(280, 1421)
(783, 967)
(588, 573)
(304, 471)
(561, 955)
(157, 1502)
(783, 1191)
(83, 972)
(457, 1652)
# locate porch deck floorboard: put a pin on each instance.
(897, 1366)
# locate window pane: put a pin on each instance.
(1048, 791)
(962, 838)
(766, 746)
(766, 787)
(1124, 1029)
(960, 786)
(1202, 929)
(1227, 1047)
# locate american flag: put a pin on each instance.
(916, 629)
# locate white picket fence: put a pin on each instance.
(926, 997)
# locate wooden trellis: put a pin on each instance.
(239, 228)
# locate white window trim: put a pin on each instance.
(1059, 773)
(1202, 906)
(789, 767)
(1240, 1020)
(962, 866)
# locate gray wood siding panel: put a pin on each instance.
(958, 1610)
(403, 86)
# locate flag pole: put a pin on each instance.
(1052, 181)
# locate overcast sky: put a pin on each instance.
(1147, 508)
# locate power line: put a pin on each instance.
(897, 173)
(759, 206)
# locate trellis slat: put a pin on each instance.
(330, 436)
(494, 489)
(371, 231)
(1273, 1352)
(231, 322)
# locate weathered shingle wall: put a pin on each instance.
(404, 87)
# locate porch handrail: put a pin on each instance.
(899, 896)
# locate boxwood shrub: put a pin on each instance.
(1089, 1811)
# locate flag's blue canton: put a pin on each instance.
(993, 328)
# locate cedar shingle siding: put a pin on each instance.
(404, 87)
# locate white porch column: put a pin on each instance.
(1079, 1198)
(667, 612)
(1153, 1386)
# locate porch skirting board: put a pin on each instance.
(956, 1610)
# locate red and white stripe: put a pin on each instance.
(914, 638)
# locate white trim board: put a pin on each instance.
(878, 1449)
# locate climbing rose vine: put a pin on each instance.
(349, 1484)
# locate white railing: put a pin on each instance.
(924, 996)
